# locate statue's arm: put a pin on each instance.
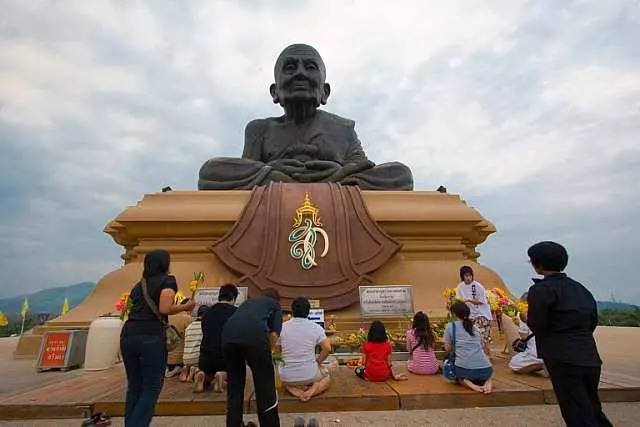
(253, 138)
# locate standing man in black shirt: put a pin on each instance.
(247, 338)
(211, 362)
(563, 315)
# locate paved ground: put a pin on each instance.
(621, 414)
(614, 344)
(20, 375)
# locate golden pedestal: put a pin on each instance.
(438, 232)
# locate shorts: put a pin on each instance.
(481, 374)
(322, 373)
(484, 326)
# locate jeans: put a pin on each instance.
(258, 357)
(145, 358)
(576, 389)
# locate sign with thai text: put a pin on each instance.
(392, 300)
(54, 350)
(316, 315)
(209, 296)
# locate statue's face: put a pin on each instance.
(299, 75)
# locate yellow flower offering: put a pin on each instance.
(193, 285)
(179, 297)
(198, 279)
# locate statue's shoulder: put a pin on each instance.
(257, 124)
(335, 119)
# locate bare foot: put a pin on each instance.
(173, 372)
(487, 388)
(199, 387)
(295, 391)
(184, 375)
(193, 370)
(400, 377)
(217, 382)
(472, 386)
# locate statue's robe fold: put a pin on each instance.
(257, 248)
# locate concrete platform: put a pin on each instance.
(104, 392)
(30, 395)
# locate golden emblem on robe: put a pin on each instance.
(304, 234)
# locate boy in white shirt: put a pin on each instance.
(301, 372)
(473, 293)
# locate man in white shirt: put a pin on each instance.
(473, 293)
(301, 372)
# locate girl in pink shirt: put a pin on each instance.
(421, 345)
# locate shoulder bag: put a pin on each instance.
(449, 365)
(171, 334)
(519, 345)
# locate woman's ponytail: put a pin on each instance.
(462, 312)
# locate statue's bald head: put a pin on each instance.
(299, 77)
(299, 50)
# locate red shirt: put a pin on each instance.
(377, 366)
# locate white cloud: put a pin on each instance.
(103, 101)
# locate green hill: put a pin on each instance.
(614, 305)
(48, 300)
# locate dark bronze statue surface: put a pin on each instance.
(305, 144)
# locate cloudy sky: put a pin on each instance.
(530, 110)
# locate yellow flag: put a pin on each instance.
(65, 307)
(3, 319)
(25, 308)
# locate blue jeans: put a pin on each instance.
(145, 358)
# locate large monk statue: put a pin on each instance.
(305, 144)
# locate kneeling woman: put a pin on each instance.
(472, 366)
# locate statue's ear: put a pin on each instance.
(326, 91)
(273, 90)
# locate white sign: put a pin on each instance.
(393, 300)
(209, 296)
(316, 315)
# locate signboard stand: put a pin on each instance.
(62, 350)
(209, 296)
(388, 300)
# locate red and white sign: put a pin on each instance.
(54, 350)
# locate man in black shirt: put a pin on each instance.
(247, 338)
(563, 315)
(211, 362)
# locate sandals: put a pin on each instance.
(98, 419)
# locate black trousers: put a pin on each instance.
(576, 389)
(258, 357)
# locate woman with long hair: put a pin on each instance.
(142, 341)
(421, 346)
(376, 356)
(472, 366)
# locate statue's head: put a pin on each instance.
(299, 74)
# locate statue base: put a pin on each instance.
(438, 232)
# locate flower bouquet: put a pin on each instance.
(178, 297)
(124, 305)
(198, 279)
(449, 294)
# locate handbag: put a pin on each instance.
(449, 365)
(519, 345)
(172, 337)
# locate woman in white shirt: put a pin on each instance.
(473, 293)
(526, 362)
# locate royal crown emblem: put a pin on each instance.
(304, 234)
